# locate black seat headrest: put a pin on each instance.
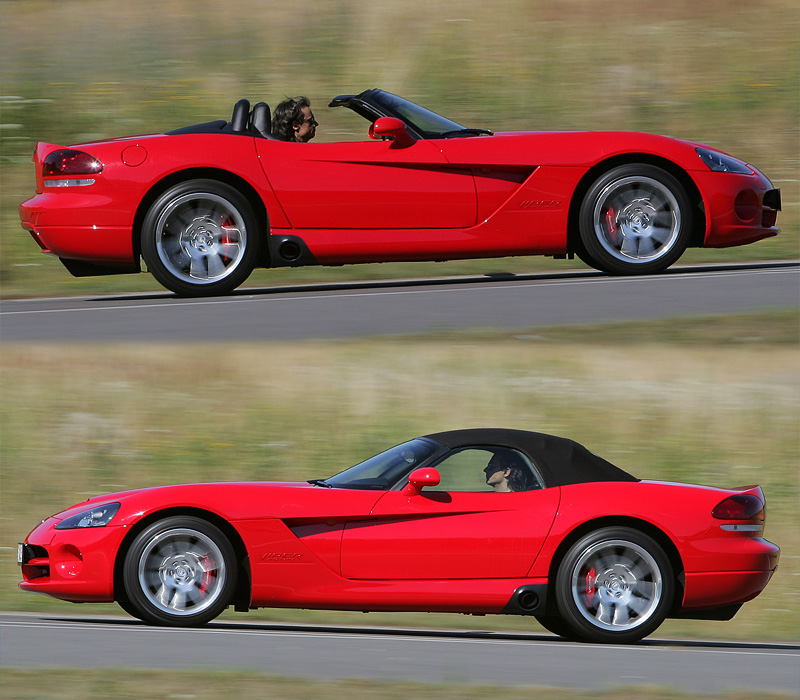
(260, 120)
(241, 115)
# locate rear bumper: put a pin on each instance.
(79, 226)
(713, 589)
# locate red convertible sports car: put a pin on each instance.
(205, 204)
(472, 521)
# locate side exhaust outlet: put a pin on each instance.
(527, 600)
(290, 251)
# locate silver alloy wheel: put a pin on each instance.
(637, 219)
(616, 585)
(200, 237)
(181, 571)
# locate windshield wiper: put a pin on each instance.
(467, 132)
(320, 482)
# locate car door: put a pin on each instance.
(368, 185)
(460, 530)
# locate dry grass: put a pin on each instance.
(69, 684)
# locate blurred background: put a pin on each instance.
(702, 400)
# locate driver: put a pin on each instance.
(507, 472)
(293, 120)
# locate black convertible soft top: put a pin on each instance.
(560, 461)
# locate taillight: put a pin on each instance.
(68, 161)
(747, 508)
(742, 506)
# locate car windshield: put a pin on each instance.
(385, 469)
(430, 123)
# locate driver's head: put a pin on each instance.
(293, 120)
(506, 471)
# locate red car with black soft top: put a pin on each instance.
(483, 521)
(206, 204)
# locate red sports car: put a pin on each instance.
(485, 521)
(205, 204)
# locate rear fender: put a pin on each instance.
(203, 173)
(634, 523)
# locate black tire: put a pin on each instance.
(614, 585)
(556, 625)
(180, 571)
(635, 220)
(128, 608)
(200, 238)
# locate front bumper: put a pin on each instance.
(740, 209)
(73, 565)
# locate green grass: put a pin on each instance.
(70, 684)
(712, 401)
(699, 71)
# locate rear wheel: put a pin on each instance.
(180, 571)
(635, 219)
(128, 608)
(614, 585)
(556, 625)
(200, 238)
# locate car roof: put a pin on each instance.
(560, 461)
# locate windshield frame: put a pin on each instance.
(425, 121)
(421, 122)
(388, 469)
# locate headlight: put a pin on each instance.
(722, 163)
(96, 517)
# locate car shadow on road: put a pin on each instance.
(498, 277)
(488, 635)
(356, 285)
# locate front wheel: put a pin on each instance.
(614, 585)
(200, 238)
(180, 571)
(634, 220)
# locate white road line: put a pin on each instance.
(333, 636)
(482, 286)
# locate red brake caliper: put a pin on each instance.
(226, 224)
(590, 587)
(611, 223)
(207, 576)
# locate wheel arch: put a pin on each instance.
(642, 526)
(574, 244)
(223, 176)
(241, 598)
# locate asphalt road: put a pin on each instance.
(386, 308)
(428, 656)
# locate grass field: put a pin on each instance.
(720, 72)
(712, 402)
(68, 684)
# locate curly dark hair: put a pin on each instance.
(286, 114)
(520, 477)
